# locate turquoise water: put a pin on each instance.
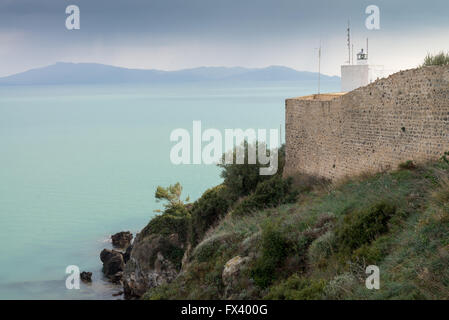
(78, 163)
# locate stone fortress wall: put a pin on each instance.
(373, 128)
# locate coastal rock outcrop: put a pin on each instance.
(127, 253)
(157, 251)
(122, 239)
(153, 261)
(86, 276)
(113, 264)
(113, 260)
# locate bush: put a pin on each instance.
(165, 291)
(362, 227)
(321, 249)
(173, 220)
(270, 193)
(372, 253)
(171, 194)
(297, 288)
(207, 250)
(444, 158)
(340, 287)
(305, 183)
(440, 59)
(242, 179)
(407, 165)
(207, 211)
(275, 248)
(441, 194)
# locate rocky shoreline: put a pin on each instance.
(114, 261)
(173, 249)
(140, 264)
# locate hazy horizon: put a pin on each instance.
(173, 34)
(167, 70)
(93, 73)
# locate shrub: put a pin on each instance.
(206, 250)
(408, 165)
(269, 193)
(440, 59)
(362, 227)
(441, 194)
(214, 280)
(207, 211)
(297, 288)
(372, 253)
(171, 194)
(214, 248)
(165, 291)
(173, 220)
(340, 287)
(242, 179)
(275, 248)
(444, 158)
(305, 183)
(321, 249)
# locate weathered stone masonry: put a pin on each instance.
(374, 128)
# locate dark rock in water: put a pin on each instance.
(127, 253)
(117, 294)
(106, 254)
(122, 239)
(112, 263)
(86, 276)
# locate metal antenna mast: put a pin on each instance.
(349, 42)
(367, 48)
(319, 68)
(352, 54)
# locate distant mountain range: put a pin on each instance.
(92, 73)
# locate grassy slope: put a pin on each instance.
(318, 248)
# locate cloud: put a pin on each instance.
(173, 34)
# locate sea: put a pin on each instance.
(81, 162)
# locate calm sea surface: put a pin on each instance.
(78, 163)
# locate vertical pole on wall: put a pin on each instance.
(319, 68)
(349, 42)
(352, 54)
(367, 55)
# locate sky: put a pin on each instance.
(178, 34)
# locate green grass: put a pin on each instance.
(440, 59)
(319, 246)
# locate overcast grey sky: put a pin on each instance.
(175, 34)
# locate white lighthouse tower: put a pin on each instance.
(357, 75)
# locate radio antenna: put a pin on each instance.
(319, 68)
(349, 42)
(367, 48)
